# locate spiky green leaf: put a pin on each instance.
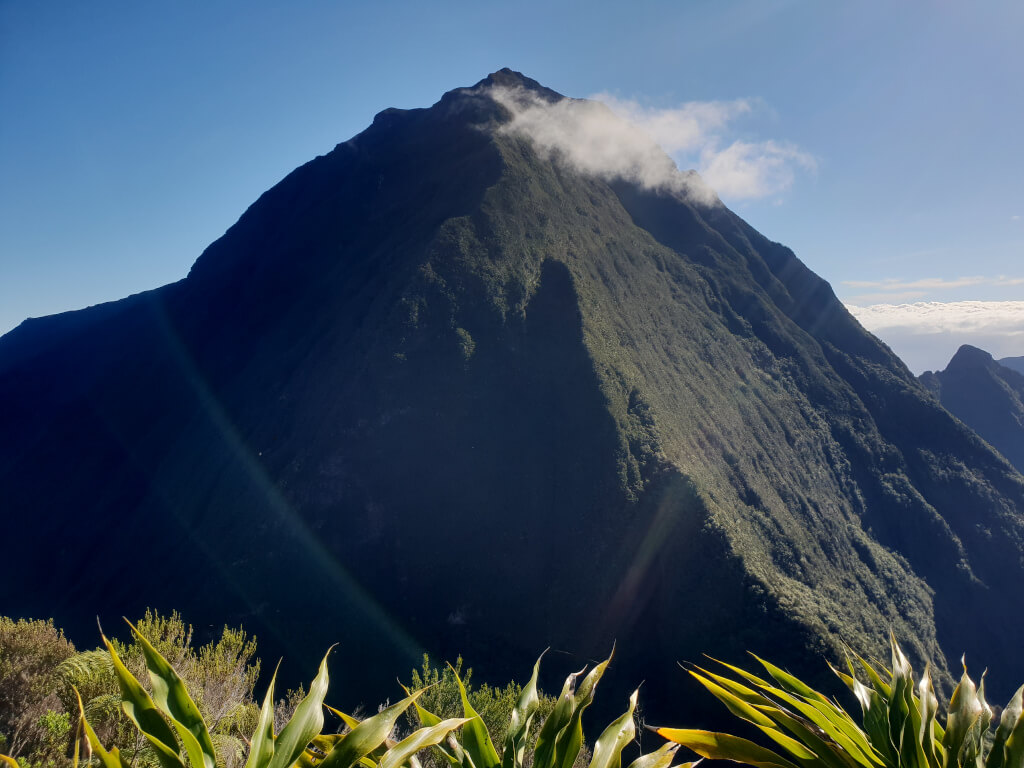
(723, 746)
(519, 722)
(367, 736)
(1009, 719)
(609, 745)
(965, 712)
(660, 758)
(737, 699)
(144, 713)
(475, 738)
(305, 723)
(1013, 748)
(261, 749)
(111, 759)
(421, 739)
(570, 740)
(173, 699)
(544, 750)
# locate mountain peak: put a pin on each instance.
(509, 78)
(473, 103)
(502, 79)
(440, 325)
(969, 357)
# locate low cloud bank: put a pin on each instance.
(927, 334)
(898, 291)
(620, 139)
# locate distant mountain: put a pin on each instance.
(987, 396)
(1014, 363)
(437, 390)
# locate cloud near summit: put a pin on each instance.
(621, 139)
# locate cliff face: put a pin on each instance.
(435, 390)
(987, 396)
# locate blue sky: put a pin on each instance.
(881, 141)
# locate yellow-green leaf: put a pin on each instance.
(367, 735)
(733, 703)
(544, 750)
(141, 710)
(660, 758)
(722, 746)
(569, 741)
(475, 738)
(111, 759)
(348, 720)
(171, 696)
(261, 749)
(791, 683)
(421, 739)
(305, 724)
(609, 745)
(1013, 749)
(842, 730)
(519, 722)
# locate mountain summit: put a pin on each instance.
(987, 396)
(453, 387)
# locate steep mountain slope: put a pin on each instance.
(1013, 363)
(985, 395)
(437, 390)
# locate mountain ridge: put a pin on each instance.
(1013, 363)
(985, 395)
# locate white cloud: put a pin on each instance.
(934, 283)
(896, 291)
(621, 139)
(939, 316)
(686, 128)
(745, 170)
(927, 334)
(898, 297)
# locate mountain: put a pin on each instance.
(437, 389)
(1014, 363)
(987, 396)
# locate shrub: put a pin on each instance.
(40, 674)
(494, 705)
(30, 653)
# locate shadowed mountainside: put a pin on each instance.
(435, 390)
(1013, 363)
(986, 396)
